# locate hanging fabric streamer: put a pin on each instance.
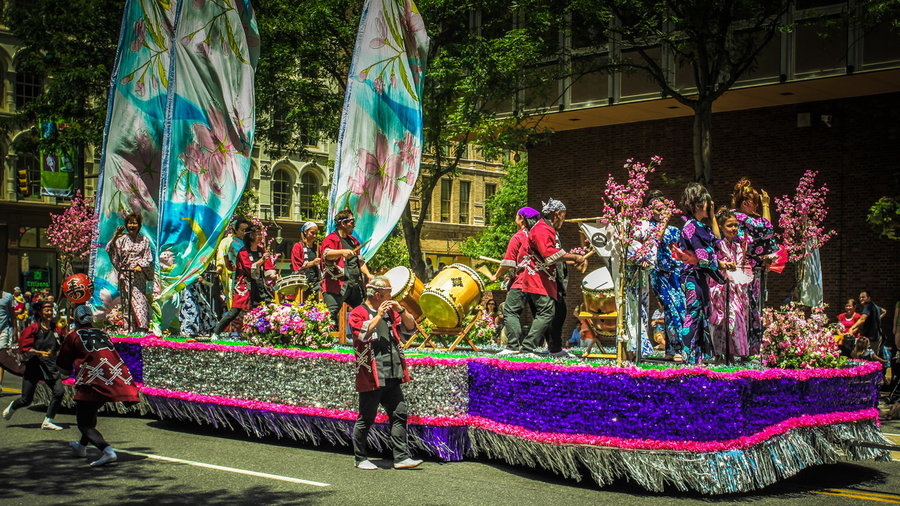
(208, 137)
(179, 134)
(131, 153)
(380, 140)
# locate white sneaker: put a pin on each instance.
(366, 465)
(49, 425)
(8, 412)
(508, 352)
(78, 449)
(108, 456)
(407, 464)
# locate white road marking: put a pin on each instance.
(228, 469)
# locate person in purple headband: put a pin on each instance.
(516, 250)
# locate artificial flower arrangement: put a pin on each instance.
(115, 322)
(802, 217)
(794, 340)
(306, 325)
(484, 330)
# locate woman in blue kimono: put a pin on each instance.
(698, 252)
(746, 201)
(665, 277)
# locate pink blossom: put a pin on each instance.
(203, 49)
(199, 4)
(801, 218)
(409, 149)
(381, 26)
(140, 35)
(378, 84)
(139, 88)
(133, 188)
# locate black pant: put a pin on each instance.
(86, 417)
(227, 318)
(352, 295)
(554, 334)
(30, 379)
(391, 397)
(543, 320)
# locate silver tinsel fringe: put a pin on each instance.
(311, 429)
(715, 473)
(42, 395)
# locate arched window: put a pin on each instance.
(281, 194)
(309, 186)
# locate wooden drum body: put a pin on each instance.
(449, 297)
(406, 288)
(599, 293)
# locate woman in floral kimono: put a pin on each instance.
(665, 277)
(131, 257)
(698, 252)
(746, 201)
(729, 300)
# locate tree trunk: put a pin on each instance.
(703, 142)
(412, 234)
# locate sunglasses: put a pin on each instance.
(349, 220)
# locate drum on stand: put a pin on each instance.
(406, 288)
(599, 295)
(449, 297)
(292, 285)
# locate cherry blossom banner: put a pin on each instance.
(380, 140)
(211, 122)
(180, 126)
(132, 145)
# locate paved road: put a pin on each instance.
(36, 467)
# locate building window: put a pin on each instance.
(489, 190)
(28, 87)
(464, 191)
(446, 192)
(29, 163)
(309, 186)
(281, 194)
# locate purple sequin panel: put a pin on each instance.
(133, 356)
(689, 408)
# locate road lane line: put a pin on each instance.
(11, 391)
(224, 468)
(887, 495)
(854, 496)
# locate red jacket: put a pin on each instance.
(366, 369)
(243, 270)
(330, 283)
(102, 374)
(539, 273)
(515, 252)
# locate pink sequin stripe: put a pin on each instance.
(151, 341)
(768, 374)
(686, 446)
(443, 421)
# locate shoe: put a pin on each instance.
(108, 456)
(49, 425)
(508, 352)
(562, 354)
(8, 412)
(407, 464)
(366, 465)
(539, 351)
(78, 449)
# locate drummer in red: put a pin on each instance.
(344, 269)
(516, 251)
(542, 281)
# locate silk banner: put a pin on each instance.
(131, 154)
(179, 133)
(208, 137)
(380, 140)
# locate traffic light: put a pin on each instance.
(22, 180)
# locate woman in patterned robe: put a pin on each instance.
(729, 300)
(699, 254)
(131, 257)
(746, 201)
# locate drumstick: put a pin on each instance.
(584, 265)
(489, 259)
(581, 220)
(356, 249)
